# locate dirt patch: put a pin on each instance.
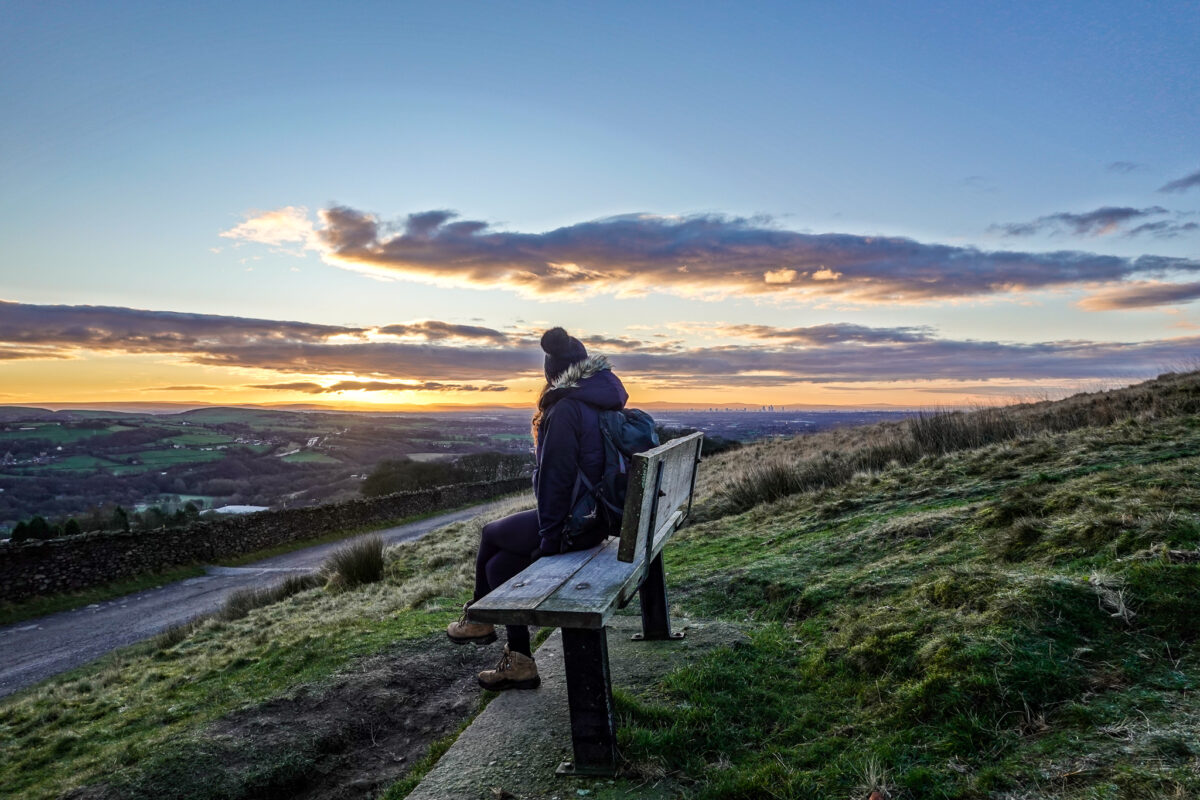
(349, 739)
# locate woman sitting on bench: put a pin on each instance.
(567, 439)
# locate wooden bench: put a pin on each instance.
(580, 591)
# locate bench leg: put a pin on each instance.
(589, 696)
(656, 624)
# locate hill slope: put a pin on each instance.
(1012, 620)
(1002, 604)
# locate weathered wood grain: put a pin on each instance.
(678, 458)
(529, 587)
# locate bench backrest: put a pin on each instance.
(659, 498)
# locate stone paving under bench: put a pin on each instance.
(511, 750)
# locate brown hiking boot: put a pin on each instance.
(515, 671)
(463, 631)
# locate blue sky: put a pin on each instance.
(133, 135)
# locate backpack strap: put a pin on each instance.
(591, 487)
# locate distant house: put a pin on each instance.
(237, 509)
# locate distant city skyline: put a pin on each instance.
(380, 204)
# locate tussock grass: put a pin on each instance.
(768, 471)
(243, 601)
(356, 564)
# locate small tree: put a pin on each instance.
(120, 520)
(40, 529)
(153, 518)
(20, 532)
(71, 527)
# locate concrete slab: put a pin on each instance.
(512, 749)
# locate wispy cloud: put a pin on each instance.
(310, 387)
(191, 387)
(703, 256)
(750, 355)
(1141, 295)
(1190, 181)
(289, 225)
(435, 330)
(838, 333)
(1101, 222)
(1125, 167)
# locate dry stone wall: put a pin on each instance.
(33, 568)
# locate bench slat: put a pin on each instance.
(594, 593)
(679, 458)
(529, 587)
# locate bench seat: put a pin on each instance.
(574, 590)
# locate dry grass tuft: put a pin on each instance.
(767, 471)
(243, 601)
(357, 564)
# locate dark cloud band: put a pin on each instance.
(707, 255)
(835, 353)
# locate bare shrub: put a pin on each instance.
(356, 564)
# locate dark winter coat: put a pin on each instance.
(569, 440)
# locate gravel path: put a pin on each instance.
(36, 649)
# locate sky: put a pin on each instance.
(376, 205)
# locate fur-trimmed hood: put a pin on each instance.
(581, 370)
(591, 381)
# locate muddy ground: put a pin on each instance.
(349, 739)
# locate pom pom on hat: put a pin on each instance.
(562, 350)
(556, 342)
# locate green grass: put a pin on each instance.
(200, 438)
(41, 606)
(56, 434)
(159, 459)
(952, 628)
(74, 463)
(309, 457)
(136, 713)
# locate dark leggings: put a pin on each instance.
(504, 550)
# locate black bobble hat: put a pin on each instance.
(562, 350)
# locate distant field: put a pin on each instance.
(510, 437)
(58, 434)
(310, 458)
(200, 438)
(160, 459)
(74, 463)
(426, 457)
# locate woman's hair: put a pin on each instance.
(539, 412)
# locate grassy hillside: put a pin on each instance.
(993, 605)
(1011, 620)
